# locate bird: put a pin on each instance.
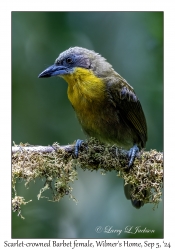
(105, 104)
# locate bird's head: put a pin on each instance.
(77, 57)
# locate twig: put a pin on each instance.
(57, 165)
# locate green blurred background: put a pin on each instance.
(41, 114)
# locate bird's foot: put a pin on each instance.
(132, 154)
(77, 147)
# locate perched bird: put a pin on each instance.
(106, 105)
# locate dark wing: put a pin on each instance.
(124, 98)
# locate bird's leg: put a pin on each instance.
(132, 154)
(77, 147)
(127, 188)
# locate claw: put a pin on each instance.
(77, 147)
(132, 154)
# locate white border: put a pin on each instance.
(169, 93)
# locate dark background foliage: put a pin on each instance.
(41, 114)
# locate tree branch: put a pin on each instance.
(57, 165)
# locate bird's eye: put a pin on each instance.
(69, 60)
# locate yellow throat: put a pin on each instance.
(84, 88)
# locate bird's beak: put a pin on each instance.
(54, 70)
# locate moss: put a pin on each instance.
(58, 167)
(17, 201)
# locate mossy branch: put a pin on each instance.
(57, 165)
